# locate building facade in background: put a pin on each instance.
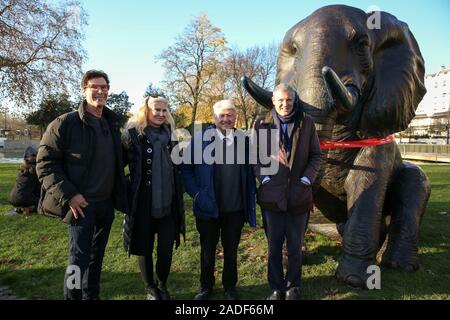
(432, 121)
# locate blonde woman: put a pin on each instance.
(154, 192)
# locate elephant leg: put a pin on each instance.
(383, 231)
(408, 200)
(340, 226)
(366, 187)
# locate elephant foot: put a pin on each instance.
(400, 254)
(353, 271)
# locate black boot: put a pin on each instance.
(293, 294)
(276, 295)
(230, 294)
(203, 294)
(153, 294)
(163, 292)
(146, 268)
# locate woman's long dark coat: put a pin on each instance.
(133, 157)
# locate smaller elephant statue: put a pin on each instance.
(358, 84)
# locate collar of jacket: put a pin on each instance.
(134, 136)
(268, 119)
(109, 115)
(214, 127)
(298, 104)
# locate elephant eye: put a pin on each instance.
(362, 45)
(362, 49)
(293, 47)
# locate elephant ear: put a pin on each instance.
(398, 83)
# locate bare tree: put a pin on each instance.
(218, 89)
(41, 49)
(238, 65)
(258, 63)
(267, 60)
(192, 62)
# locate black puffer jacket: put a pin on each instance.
(64, 157)
(133, 157)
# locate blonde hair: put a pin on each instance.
(140, 120)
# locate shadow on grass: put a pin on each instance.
(432, 281)
(48, 284)
(319, 256)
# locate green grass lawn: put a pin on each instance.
(33, 253)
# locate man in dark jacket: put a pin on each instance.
(81, 169)
(285, 196)
(222, 186)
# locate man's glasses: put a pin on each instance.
(98, 88)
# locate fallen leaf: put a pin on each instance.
(5, 260)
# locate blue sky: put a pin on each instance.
(123, 38)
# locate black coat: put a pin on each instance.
(133, 156)
(26, 190)
(64, 158)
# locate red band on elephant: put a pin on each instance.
(357, 143)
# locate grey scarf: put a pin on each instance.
(162, 175)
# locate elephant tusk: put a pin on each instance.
(347, 94)
(261, 96)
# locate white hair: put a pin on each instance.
(223, 105)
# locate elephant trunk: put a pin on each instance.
(347, 95)
(317, 102)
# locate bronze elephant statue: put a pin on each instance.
(359, 83)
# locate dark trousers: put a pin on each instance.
(281, 226)
(229, 228)
(165, 228)
(87, 242)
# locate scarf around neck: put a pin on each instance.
(162, 174)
